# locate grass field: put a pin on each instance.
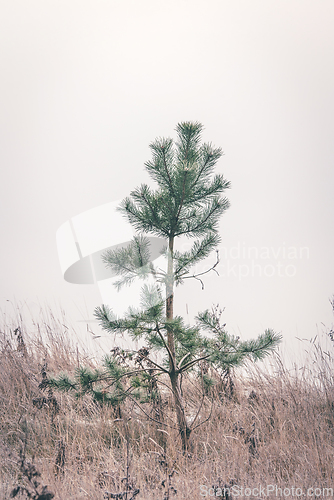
(267, 428)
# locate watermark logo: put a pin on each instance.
(84, 239)
(241, 261)
(270, 490)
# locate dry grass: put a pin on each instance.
(277, 429)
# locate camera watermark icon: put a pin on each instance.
(83, 240)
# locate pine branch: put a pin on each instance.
(130, 262)
(140, 221)
(265, 344)
(135, 323)
(183, 359)
(199, 250)
(208, 219)
(209, 157)
(193, 362)
(203, 192)
(127, 374)
(189, 135)
(196, 276)
(210, 321)
(159, 168)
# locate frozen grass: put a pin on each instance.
(275, 428)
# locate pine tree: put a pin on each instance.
(189, 202)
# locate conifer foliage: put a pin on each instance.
(188, 201)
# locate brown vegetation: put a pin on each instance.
(265, 428)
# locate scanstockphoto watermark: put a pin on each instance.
(270, 490)
(241, 261)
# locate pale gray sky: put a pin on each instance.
(85, 87)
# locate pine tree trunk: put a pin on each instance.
(184, 430)
(170, 301)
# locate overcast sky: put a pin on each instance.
(85, 87)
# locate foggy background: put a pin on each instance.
(85, 87)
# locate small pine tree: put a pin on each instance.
(189, 201)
